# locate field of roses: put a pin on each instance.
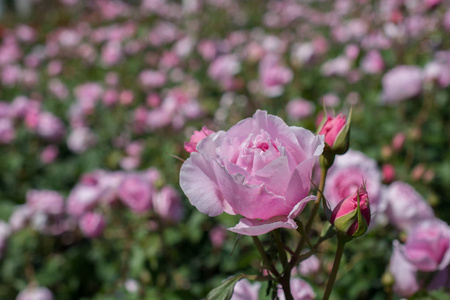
(225, 149)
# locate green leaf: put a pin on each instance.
(225, 290)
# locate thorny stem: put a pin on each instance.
(334, 271)
(264, 256)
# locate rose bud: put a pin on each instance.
(351, 216)
(337, 132)
(196, 138)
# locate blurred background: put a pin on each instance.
(98, 97)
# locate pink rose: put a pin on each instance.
(92, 224)
(299, 109)
(405, 207)
(217, 236)
(345, 176)
(35, 293)
(345, 216)
(196, 138)
(136, 193)
(309, 266)
(428, 245)
(47, 201)
(401, 83)
(404, 273)
(167, 204)
(260, 169)
(82, 198)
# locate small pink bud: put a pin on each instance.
(92, 224)
(336, 131)
(196, 138)
(388, 172)
(398, 141)
(351, 216)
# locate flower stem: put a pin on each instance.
(334, 271)
(264, 256)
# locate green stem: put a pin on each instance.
(280, 247)
(334, 271)
(264, 256)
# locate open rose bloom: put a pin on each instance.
(260, 169)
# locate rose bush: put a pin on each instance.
(260, 169)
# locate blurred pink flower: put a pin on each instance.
(273, 76)
(309, 266)
(372, 63)
(299, 109)
(46, 201)
(81, 139)
(345, 176)
(388, 173)
(428, 245)
(244, 290)
(49, 154)
(82, 198)
(7, 131)
(167, 204)
(92, 224)
(136, 193)
(50, 127)
(405, 206)
(217, 236)
(5, 231)
(404, 272)
(152, 79)
(300, 289)
(259, 169)
(35, 293)
(401, 83)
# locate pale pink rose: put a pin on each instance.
(207, 49)
(388, 173)
(244, 290)
(7, 131)
(10, 75)
(26, 33)
(372, 63)
(401, 83)
(49, 154)
(136, 193)
(348, 206)
(405, 206)
(345, 176)
(152, 79)
(110, 97)
(300, 290)
(260, 169)
(126, 97)
(130, 163)
(437, 72)
(167, 204)
(217, 236)
(273, 76)
(92, 224)
(111, 54)
(82, 199)
(58, 89)
(339, 66)
(88, 95)
(196, 138)
(5, 231)
(81, 139)
(428, 245)
(352, 51)
(54, 67)
(47, 201)
(50, 127)
(299, 109)
(330, 100)
(446, 21)
(224, 67)
(404, 272)
(309, 266)
(20, 217)
(35, 293)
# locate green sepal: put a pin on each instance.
(342, 142)
(225, 290)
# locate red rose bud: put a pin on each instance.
(191, 146)
(351, 216)
(337, 132)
